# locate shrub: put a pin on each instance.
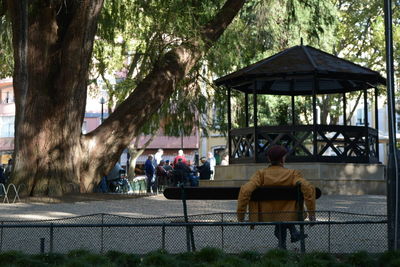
(230, 261)
(123, 259)
(11, 256)
(209, 254)
(251, 256)
(29, 262)
(76, 262)
(187, 259)
(278, 255)
(266, 262)
(317, 259)
(159, 258)
(361, 258)
(389, 258)
(76, 253)
(50, 258)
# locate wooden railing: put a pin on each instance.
(306, 143)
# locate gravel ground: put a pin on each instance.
(340, 238)
(158, 206)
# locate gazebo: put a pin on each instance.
(304, 71)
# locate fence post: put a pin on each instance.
(329, 232)
(51, 237)
(1, 237)
(163, 237)
(42, 245)
(302, 242)
(102, 234)
(222, 232)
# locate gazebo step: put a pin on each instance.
(332, 178)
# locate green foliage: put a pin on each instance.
(50, 258)
(251, 256)
(133, 35)
(209, 254)
(282, 257)
(6, 54)
(205, 257)
(390, 258)
(11, 256)
(317, 259)
(81, 257)
(361, 258)
(159, 258)
(229, 261)
(123, 259)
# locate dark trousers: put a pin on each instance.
(281, 233)
(150, 184)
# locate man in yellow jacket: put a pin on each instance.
(276, 210)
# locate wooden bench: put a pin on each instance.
(231, 193)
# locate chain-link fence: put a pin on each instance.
(334, 232)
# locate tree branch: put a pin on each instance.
(118, 130)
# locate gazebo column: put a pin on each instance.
(255, 120)
(229, 125)
(293, 113)
(367, 152)
(246, 106)
(344, 154)
(314, 102)
(376, 121)
(344, 109)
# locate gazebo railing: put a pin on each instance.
(306, 143)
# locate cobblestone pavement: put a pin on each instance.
(158, 206)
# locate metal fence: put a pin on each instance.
(334, 232)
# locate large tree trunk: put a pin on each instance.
(51, 155)
(50, 103)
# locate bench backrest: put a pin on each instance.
(232, 193)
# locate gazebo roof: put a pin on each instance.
(294, 71)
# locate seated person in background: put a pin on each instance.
(167, 166)
(204, 169)
(161, 175)
(113, 176)
(276, 210)
(193, 178)
(124, 182)
(181, 173)
(121, 184)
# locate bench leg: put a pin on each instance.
(280, 233)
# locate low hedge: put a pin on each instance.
(206, 257)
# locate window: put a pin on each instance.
(7, 126)
(7, 98)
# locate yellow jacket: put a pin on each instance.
(275, 210)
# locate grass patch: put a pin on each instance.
(206, 257)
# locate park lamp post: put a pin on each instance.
(102, 102)
(393, 186)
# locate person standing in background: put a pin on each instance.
(158, 156)
(180, 156)
(211, 160)
(149, 171)
(225, 159)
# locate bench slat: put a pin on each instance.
(232, 193)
